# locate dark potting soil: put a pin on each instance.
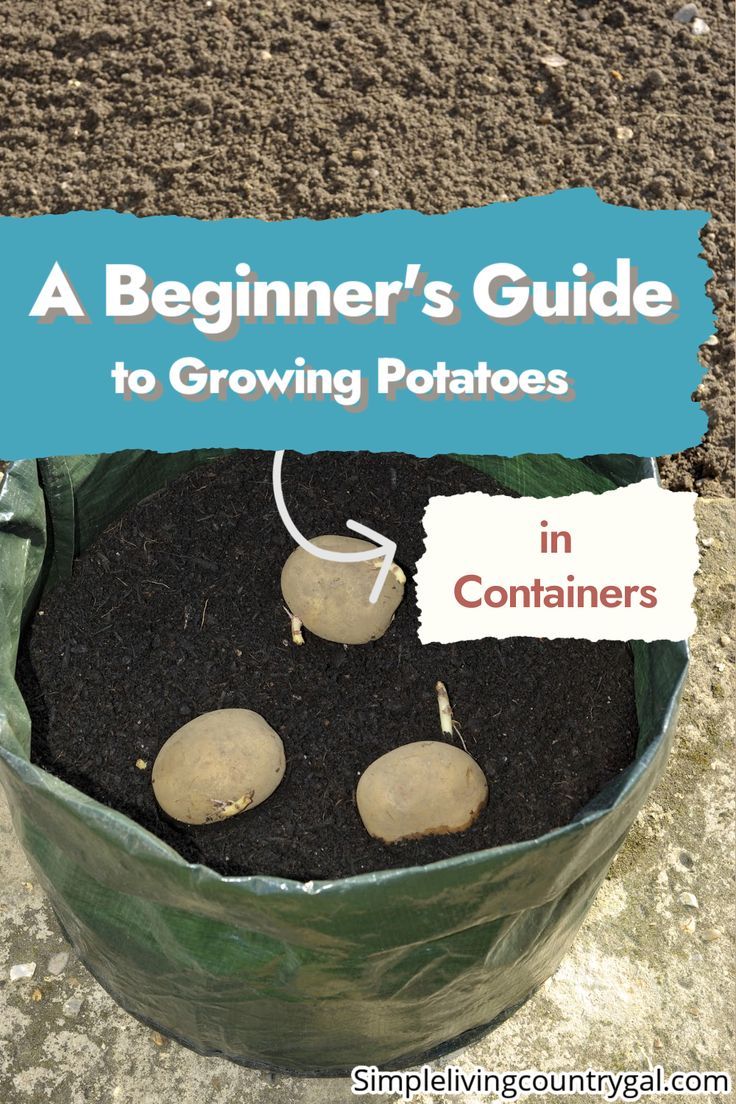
(177, 610)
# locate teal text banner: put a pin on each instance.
(553, 324)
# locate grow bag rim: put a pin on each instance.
(102, 816)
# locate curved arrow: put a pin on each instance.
(384, 547)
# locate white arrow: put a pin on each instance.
(384, 547)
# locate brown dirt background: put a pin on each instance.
(276, 108)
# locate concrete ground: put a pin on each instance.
(649, 980)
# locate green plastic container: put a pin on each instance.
(390, 968)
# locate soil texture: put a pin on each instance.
(277, 109)
(177, 610)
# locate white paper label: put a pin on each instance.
(611, 566)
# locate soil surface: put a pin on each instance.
(276, 108)
(177, 609)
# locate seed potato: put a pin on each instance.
(332, 598)
(218, 765)
(428, 788)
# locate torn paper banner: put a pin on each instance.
(611, 566)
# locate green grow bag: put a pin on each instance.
(389, 968)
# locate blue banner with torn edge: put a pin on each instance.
(622, 386)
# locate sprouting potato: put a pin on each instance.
(428, 788)
(218, 765)
(331, 598)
